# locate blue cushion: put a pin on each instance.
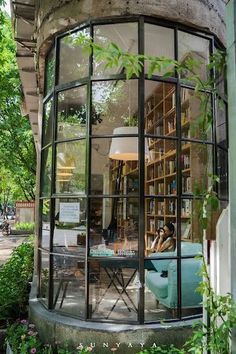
(161, 264)
(157, 284)
(189, 248)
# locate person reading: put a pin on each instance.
(164, 242)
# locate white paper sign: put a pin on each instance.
(69, 212)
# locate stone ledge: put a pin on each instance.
(53, 326)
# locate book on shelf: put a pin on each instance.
(149, 105)
(151, 172)
(171, 207)
(170, 166)
(171, 187)
(152, 154)
(185, 161)
(160, 170)
(173, 99)
(186, 184)
(151, 189)
(159, 129)
(160, 208)
(185, 230)
(160, 223)
(152, 206)
(186, 207)
(170, 125)
(152, 225)
(160, 188)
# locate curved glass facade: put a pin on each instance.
(122, 159)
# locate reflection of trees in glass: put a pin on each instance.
(113, 99)
(47, 123)
(73, 59)
(50, 70)
(46, 171)
(46, 209)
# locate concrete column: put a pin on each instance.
(231, 52)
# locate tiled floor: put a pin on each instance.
(113, 304)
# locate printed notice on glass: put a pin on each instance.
(69, 212)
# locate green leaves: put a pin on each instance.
(15, 275)
(17, 151)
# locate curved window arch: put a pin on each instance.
(122, 159)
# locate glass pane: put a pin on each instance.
(72, 112)
(222, 173)
(220, 76)
(69, 285)
(161, 295)
(50, 71)
(160, 167)
(114, 226)
(190, 281)
(46, 168)
(124, 35)
(159, 42)
(45, 243)
(191, 226)
(70, 227)
(113, 290)
(221, 124)
(44, 277)
(73, 60)
(70, 167)
(196, 167)
(111, 176)
(47, 123)
(195, 113)
(160, 224)
(115, 105)
(160, 109)
(195, 48)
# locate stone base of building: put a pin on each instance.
(131, 339)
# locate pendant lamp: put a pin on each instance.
(125, 148)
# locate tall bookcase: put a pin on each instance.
(160, 169)
(124, 177)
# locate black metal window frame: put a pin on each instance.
(89, 80)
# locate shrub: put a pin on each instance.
(23, 338)
(26, 226)
(15, 276)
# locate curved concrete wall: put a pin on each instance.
(59, 15)
(130, 339)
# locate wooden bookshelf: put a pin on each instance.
(161, 167)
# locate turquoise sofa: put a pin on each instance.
(165, 289)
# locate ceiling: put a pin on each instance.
(23, 15)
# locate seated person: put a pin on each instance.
(164, 242)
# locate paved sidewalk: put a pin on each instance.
(7, 243)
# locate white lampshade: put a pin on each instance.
(125, 148)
